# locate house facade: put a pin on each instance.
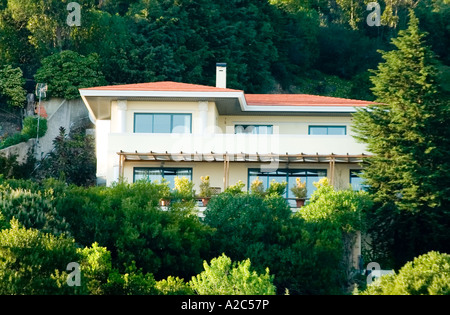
(167, 129)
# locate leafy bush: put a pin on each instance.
(67, 71)
(127, 219)
(29, 131)
(30, 125)
(73, 159)
(10, 167)
(222, 277)
(12, 83)
(263, 230)
(428, 274)
(13, 140)
(32, 262)
(32, 209)
(343, 209)
(173, 286)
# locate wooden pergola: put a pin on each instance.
(226, 158)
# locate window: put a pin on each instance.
(254, 129)
(162, 123)
(290, 176)
(328, 130)
(356, 181)
(156, 174)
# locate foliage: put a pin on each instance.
(68, 71)
(32, 262)
(13, 140)
(126, 219)
(299, 189)
(12, 84)
(235, 189)
(264, 230)
(30, 127)
(173, 286)
(10, 167)
(257, 187)
(29, 131)
(184, 189)
(205, 187)
(407, 133)
(32, 209)
(133, 282)
(427, 274)
(222, 277)
(276, 188)
(341, 208)
(73, 159)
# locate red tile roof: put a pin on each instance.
(162, 86)
(300, 100)
(252, 99)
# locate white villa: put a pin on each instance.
(167, 129)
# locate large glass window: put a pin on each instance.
(162, 123)
(328, 130)
(157, 174)
(290, 176)
(253, 129)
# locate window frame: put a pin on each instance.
(328, 127)
(253, 125)
(288, 172)
(189, 169)
(171, 121)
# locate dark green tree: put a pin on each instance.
(12, 83)
(408, 135)
(73, 159)
(68, 71)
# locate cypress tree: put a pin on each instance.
(408, 133)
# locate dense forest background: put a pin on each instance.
(322, 47)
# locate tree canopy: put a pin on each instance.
(319, 47)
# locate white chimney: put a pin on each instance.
(221, 75)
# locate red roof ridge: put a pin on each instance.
(162, 86)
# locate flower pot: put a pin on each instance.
(205, 201)
(300, 202)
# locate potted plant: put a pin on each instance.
(299, 191)
(205, 190)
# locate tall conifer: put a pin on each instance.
(408, 133)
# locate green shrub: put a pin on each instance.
(127, 219)
(132, 282)
(32, 262)
(30, 125)
(222, 277)
(13, 140)
(263, 230)
(343, 209)
(32, 209)
(173, 286)
(428, 274)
